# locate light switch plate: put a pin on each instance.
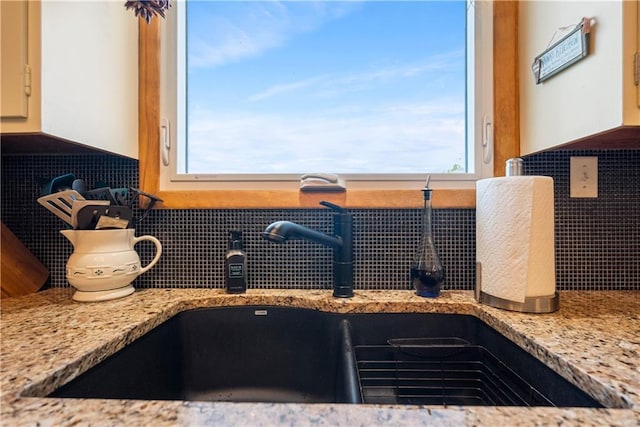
(584, 177)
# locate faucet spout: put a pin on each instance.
(281, 231)
(342, 244)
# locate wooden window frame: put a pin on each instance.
(506, 136)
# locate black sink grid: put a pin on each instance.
(441, 374)
(284, 354)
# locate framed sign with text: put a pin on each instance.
(570, 49)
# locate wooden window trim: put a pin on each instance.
(506, 136)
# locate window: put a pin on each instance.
(384, 100)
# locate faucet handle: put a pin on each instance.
(334, 207)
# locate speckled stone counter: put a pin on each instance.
(48, 339)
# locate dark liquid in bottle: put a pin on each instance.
(426, 282)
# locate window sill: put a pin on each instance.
(264, 199)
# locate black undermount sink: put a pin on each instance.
(283, 354)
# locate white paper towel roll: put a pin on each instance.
(515, 236)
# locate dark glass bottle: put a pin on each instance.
(427, 273)
(235, 264)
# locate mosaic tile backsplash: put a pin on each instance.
(597, 240)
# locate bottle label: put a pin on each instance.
(236, 271)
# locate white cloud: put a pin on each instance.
(395, 138)
(326, 86)
(289, 87)
(249, 29)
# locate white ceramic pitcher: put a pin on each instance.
(104, 263)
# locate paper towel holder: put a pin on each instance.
(543, 304)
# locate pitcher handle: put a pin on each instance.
(158, 245)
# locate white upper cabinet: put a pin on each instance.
(593, 97)
(83, 57)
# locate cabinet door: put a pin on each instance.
(592, 97)
(630, 46)
(90, 74)
(637, 55)
(15, 73)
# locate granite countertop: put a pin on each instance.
(48, 339)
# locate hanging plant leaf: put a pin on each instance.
(147, 9)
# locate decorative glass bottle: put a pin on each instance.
(427, 273)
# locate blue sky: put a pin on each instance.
(334, 86)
